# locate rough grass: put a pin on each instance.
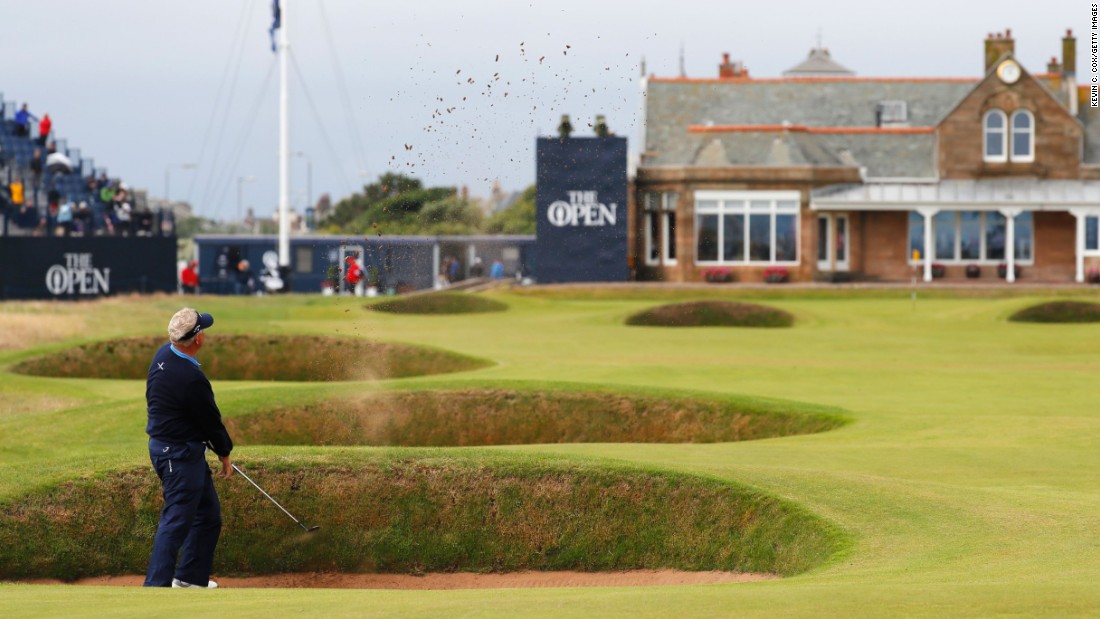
(711, 314)
(439, 303)
(1059, 311)
(511, 417)
(415, 513)
(259, 357)
(29, 324)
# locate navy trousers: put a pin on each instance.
(191, 520)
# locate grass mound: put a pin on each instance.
(440, 303)
(1059, 311)
(258, 357)
(711, 314)
(517, 417)
(416, 513)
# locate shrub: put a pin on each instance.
(1002, 270)
(777, 275)
(718, 275)
(973, 271)
(1093, 276)
(938, 270)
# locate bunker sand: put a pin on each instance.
(460, 580)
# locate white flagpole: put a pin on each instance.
(284, 145)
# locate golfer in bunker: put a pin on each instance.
(183, 420)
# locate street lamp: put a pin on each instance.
(241, 180)
(168, 170)
(309, 177)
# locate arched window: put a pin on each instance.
(994, 136)
(1023, 136)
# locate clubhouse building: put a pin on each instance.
(820, 175)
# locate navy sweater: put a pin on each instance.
(181, 404)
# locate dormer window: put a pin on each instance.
(994, 136)
(1023, 136)
(892, 113)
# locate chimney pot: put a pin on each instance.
(1008, 33)
(726, 58)
(1069, 33)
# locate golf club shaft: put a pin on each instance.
(298, 522)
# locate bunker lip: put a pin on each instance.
(304, 358)
(471, 417)
(711, 314)
(446, 581)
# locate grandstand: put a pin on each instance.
(77, 185)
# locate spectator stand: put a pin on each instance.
(74, 184)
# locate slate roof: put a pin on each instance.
(674, 105)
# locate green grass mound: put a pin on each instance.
(711, 314)
(440, 303)
(258, 357)
(1059, 311)
(522, 417)
(416, 513)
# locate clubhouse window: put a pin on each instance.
(746, 227)
(972, 236)
(1092, 234)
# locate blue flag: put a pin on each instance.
(276, 17)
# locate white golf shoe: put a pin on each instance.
(179, 584)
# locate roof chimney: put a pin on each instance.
(730, 69)
(998, 45)
(1069, 55)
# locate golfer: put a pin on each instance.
(183, 419)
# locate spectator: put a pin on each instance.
(82, 219)
(246, 283)
(36, 165)
(16, 190)
(65, 219)
(497, 270)
(353, 274)
(189, 278)
(44, 127)
(23, 120)
(454, 269)
(123, 214)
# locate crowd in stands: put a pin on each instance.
(44, 194)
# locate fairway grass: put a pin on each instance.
(968, 481)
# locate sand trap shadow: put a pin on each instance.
(258, 357)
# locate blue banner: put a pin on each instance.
(581, 210)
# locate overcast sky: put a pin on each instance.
(143, 86)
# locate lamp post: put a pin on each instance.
(241, 180)
(309, 177)
(167, 176)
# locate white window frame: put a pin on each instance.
(1004, 131)
(721, 198)
(1030, 156)
(650, 210)
(1085, 248)
(983, 261)
(668, 234)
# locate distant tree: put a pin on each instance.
(519, 218)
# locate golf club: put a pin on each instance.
(296, 521)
